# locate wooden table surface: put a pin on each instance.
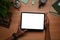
(54, 23)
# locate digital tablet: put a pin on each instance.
(32, 21)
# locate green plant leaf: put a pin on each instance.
(4, 7)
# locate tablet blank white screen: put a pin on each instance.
(32, 21)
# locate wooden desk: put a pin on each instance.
(34, 8)
(5, 33)
(54, 25)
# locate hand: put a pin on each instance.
(46, 21)
(18, 34)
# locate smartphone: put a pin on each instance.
(32, 21)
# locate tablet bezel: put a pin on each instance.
(32, 13)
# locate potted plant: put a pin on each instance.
(5, 15)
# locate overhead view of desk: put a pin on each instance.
(54, 24)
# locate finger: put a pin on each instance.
(46, 21)
(25, 31)
(21, 33)
(46, 17)
(19, 30)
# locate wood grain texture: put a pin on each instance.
(34, 8)
(54, 27)
(54, 23)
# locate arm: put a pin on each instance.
(47, 31)
(18, 34)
